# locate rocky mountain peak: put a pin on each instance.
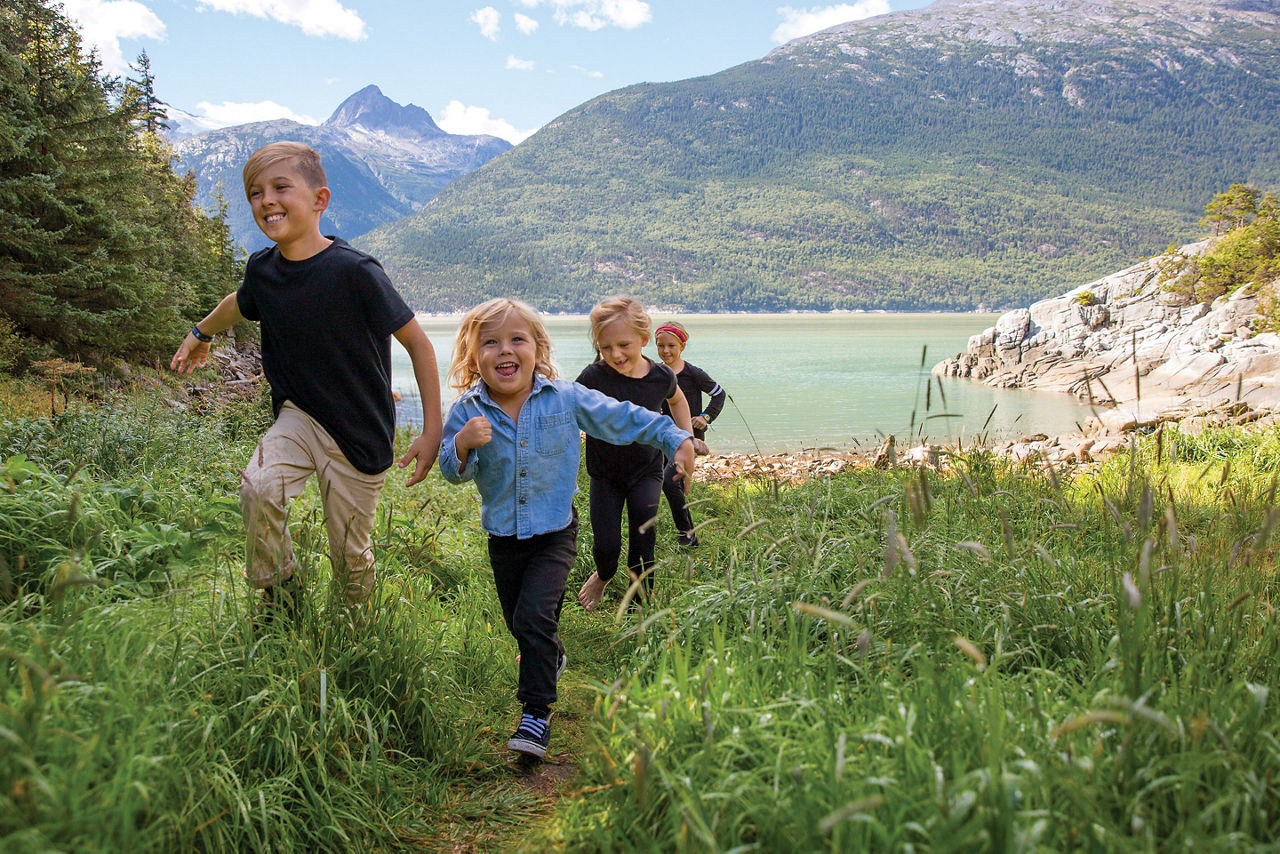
(371, 109)
(383, 161)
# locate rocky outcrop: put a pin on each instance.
(1141, 352)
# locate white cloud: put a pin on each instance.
(525, 24)
(313, 17)
(587, 72)
(230, 113)
(103, 23)
(598, 14)
(460, 118)
(515, 63)
(488, 18)
(802, 22)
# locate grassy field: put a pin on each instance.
(997, 659)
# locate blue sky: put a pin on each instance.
(504, 67)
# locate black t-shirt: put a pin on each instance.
(326, 343)
(624, 462)
(693, 382)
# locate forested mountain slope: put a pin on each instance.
(977, 153)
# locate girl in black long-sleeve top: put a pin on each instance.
(630, 475)
(671, 338)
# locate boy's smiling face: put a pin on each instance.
(288, 210)
(506, 358)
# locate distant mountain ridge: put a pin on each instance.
(384, 161)
(975, 153)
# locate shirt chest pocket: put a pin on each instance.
(555, 433)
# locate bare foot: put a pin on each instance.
(591, 592)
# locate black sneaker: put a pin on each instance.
(531, 737)
(688, 540)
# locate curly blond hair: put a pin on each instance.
(463, 370)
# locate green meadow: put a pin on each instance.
(993, 659)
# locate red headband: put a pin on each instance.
(683, 336)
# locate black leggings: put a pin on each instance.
(676, 500)
(640, 496)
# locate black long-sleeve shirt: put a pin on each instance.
(693, 381)
(624, 462)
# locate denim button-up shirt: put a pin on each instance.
(528, 472)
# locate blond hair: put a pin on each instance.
(304, 158)
(619, 308)
(463, 370)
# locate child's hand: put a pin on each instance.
(191, 354)
(699, 423)
(592, 591)
(684, 463)
(423, 450)
(476, 432)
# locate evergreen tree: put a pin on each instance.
(142, 93)
(25, 191)
(73, 286)
(1233, 208)
(102, 253)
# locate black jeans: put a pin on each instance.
(530, 576)
(674, 491)
(640, 496)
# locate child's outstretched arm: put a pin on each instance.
(194, 353)
(424, 448)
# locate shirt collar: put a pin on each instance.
(539, 383)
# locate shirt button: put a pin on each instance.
(522, 499)
(523, 473)
(523, 443)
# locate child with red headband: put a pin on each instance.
(671, 338)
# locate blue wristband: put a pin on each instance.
(200, 336)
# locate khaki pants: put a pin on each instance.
(295, 447)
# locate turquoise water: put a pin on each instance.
(802, 381)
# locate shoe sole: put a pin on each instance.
(527, 747)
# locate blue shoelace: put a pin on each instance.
(537, 727)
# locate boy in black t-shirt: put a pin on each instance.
(328, 313)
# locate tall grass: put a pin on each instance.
(154, 717)
(999, 660)
(996, 659)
